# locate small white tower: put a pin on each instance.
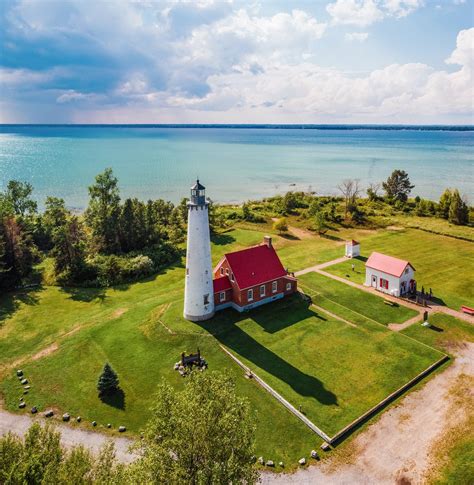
(198, 290)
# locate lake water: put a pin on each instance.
(235, 164)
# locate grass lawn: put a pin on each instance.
(351, 303)
(443, 263)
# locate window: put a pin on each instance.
(407, 269)
(232, 277)
(222, 271)
(262, 291)
(288, 286)
(227, 271)
(206, 299)
(383, 283)
(222, 296)
(187, 270)
(274, 286)
(250, 295)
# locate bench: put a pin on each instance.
(467, 309)
(389, 302)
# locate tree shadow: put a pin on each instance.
(115, 399)
(222, 239)
(86, 295)
(289, 236)
(233, 337)
(11, 301)
(332, 237)
(361, 258)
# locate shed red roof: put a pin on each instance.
(353, 242)
(387, 264)
(255, 265)
(222, 284)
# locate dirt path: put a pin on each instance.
(18, 424)
(397, 448)
(320, 266)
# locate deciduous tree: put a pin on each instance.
(458, 209)
(280, 225)
(350, 190)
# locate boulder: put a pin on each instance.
(302, 461)
(24, 381)
(314, 454)
(22, 405)
(325, 446)
(48, 414)
(78, 419)
(27, 387)
(270, 463)
(176, 366)
(25, 391)
(94, 423)
(109, 425)
(260, 460)
(66, 417)
(281, 464)
(122, 429)
(34, 410)
(19, 372)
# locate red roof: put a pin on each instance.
(222, 284)
(255, 265)
(387, 264)
(353, 242)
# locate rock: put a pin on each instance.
(27, 387)
(34, 410)
(260, 460)
(48, 414)
(66, 417)
(325, 446)
(281, 464)
(19, 372)
(122, 429)
(302, 461)
(176, 366)
(109, 425)
(24, 381)
(22, 405)
(314, 454)
(21, 399)
(270, 463)
(94, 423)
(25, 391)
(78, 419)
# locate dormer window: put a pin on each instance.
(232, 277)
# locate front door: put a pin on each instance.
(403, 288)
(374, 281)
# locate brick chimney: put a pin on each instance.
(267, 240)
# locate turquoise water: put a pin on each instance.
(235, 164)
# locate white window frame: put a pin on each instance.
(222, 296)
(222, 271)
(288, 286)
(274, 286)
(227, 271)
(232, 277)
(262, 291)
(250, 294)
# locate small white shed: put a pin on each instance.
(352, 249)
(390, 275)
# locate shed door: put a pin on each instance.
(374, 281)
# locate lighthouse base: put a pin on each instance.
(198, 318)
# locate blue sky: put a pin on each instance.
(206, 61)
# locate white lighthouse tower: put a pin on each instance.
(198, 291)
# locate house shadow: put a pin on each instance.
(332, 237)
(11, 301)
(115, 399)
(245, 346)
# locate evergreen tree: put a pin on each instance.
(444, 203)
(398, 186)
(103, 212)
(320, 223)
(19, 196)
(108, 381)
(458, 209)
(127, 226)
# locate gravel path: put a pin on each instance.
(396, 449)
(19, 424)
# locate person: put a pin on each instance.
(353, 266)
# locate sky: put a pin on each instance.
(208, 61)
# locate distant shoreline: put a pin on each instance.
(256, 126)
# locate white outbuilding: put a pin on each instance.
(390, 275)
(352, 249)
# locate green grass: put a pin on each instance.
(442, 263)
(352, 303)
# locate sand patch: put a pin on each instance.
(46, 351)
(119, 312)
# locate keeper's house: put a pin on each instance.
(251, 277)
(390, 275)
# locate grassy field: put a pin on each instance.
(442, 263)
(351, 303)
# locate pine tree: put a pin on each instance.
(108, 381)
(444, 203)
(398, 186)
(458, 210)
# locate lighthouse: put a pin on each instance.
(198, 291)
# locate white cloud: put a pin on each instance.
(70, 96)
(357, 36)
(366, 12)
(463, 55)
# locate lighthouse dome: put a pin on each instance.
(198, 194)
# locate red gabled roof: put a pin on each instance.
(222, 284)
(255, 265)
(387, 264)
(353, 242)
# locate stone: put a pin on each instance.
(122, 429)
(21, 399)
(270, 463)
(314, 454)
(22, 405)
(78, 419)
(109, 425)
(27, 387)
(25, 391)
(260, 460)
(94, 423)
(281, 464)
(24, 381)
(19, 372)
(325, 446)
(176, 366)
(34, 410)
(302, 461)
(48, 414)
(66, 417)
